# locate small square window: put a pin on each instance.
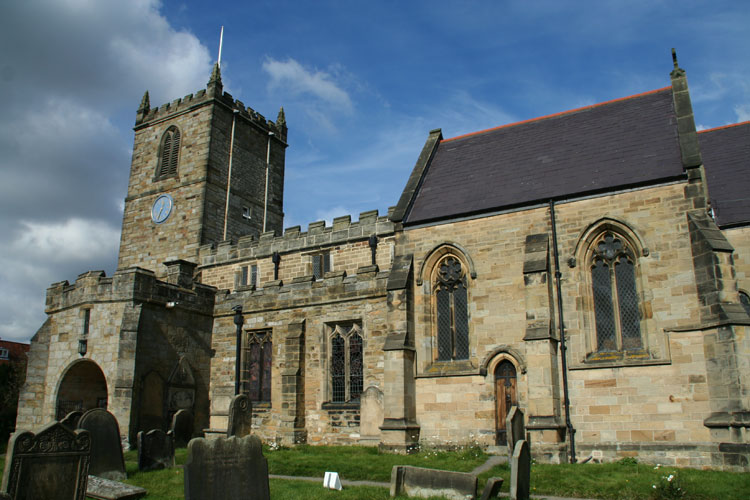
(321, 264)
(4, 353)
(247, 213)
(249, 275)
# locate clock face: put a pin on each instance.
(162, 208)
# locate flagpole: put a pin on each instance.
(221, 41)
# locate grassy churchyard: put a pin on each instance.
(622, 480)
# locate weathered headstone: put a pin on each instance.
(72, 418)
(182, 428)
(371, 411)
(515, 427)
(492, 488)
(50, 465)
(240, 416)
(155, 450)
(425, 483)
(106, 489)
(106, 447)
(222, 468)
(520, 472)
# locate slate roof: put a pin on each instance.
(726, 159)
(626, 142)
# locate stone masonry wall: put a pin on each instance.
(345, 241)
(659, 399)
(317, 304)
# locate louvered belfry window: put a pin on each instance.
(170, 153)
(618, 321)
(346, 362)
(451, 310)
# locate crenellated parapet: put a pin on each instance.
(149, 116)
(304, 291)
(127, 285)
(318, 236)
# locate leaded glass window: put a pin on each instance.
(617, 317)
(451, 310)
(321, 264)
(346, 362)
(255, 376)
(170, 152)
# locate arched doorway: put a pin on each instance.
(506, 396)
(83, 387)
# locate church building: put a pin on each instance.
(591, 267)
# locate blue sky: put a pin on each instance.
(362, 84)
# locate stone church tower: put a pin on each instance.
(205, 169)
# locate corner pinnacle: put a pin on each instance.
(281, 118)
(145, 103)
(215, 76)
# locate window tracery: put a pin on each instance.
(346, 369)
(451, 310)
(615, 294)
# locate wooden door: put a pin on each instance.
(505, 397)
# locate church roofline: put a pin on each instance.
(558, 114)
(722, 127)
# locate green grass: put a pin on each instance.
(615, 481)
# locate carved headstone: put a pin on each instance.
(520, 472)
(106, 447)
(155, 450)
(72, 418)
(50, 465)
(240, 416)
(182, 428)
(515, 427)
(223, 468)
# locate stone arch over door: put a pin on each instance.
(506, 396)
(82, 387)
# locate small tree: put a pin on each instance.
(12, 377)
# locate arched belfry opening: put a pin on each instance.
(83, 387)
(506, 396)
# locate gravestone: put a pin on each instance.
(155, 450)
(520, 472)
(182, 428)
(240, 416)
(72, 418)
(106, 447)
(50, 465)
(426, 483)
(371, 411)
(106, 489)
(492, 488)
(515, 427)
(222, 468)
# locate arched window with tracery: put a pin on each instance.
(346, 362)
(451, 309)
(615, 294)
(169, 153)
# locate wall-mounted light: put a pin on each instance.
(171, 304)
(82, 346)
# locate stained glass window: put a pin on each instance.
(451, 309)
(257, 355)
(615, 295)
(346, 362)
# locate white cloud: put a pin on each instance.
(73, 240)
(743, 112)
(293, 77)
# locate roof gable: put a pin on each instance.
(626, 142)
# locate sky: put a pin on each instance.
(361, 83)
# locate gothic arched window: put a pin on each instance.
(616, 308)
(257, 355)
(346, 362)
(169, 153)
(745, 301)
(451, 310)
